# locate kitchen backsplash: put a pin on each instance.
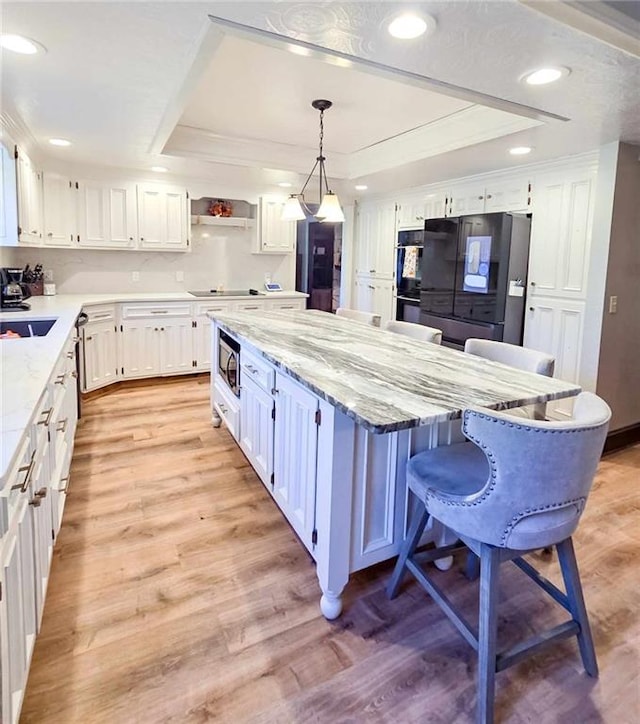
(222, 258)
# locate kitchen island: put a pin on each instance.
(329, 412)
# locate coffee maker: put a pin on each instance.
(12, 290)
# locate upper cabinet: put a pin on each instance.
(163, 217)
(274, 236)
(8, 198)
(412, 211)
(29, 201)
(59, 210)
(512, 194)
(107, 214)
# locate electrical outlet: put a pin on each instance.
(135, 276)
(179, 276)
(48, 275)
(613, 304)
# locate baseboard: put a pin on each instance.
(622, 438)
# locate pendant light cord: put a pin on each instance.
(319, 161)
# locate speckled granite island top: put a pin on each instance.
(383, 380)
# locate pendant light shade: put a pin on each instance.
(329, 209)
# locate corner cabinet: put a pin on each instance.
(274, 236)
(99, 362)
(163, 217)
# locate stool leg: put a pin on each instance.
(569, 566)
(472, 566)
(488, 629)
(408, 547)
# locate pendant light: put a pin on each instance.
(329, 207)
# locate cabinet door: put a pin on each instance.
(59, 204)
(382, 303)
(364, 297)
(107, 214)
(467, 200)
(385, 241)
(274, 234)
(202, 332)
(100, 355)
(366, 225)
(507, 196)
(435, 205)
(410, 213)
(29, 202)
(40, 508)
(162, 217)
(17, 610)
(8, 198)
(294, 463)
(176, 346)
(140, 348)
(256, 428)
(561, 234)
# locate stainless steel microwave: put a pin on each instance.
(229, 361)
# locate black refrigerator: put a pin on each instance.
(474, 275)
(318, 263)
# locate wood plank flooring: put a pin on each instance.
(179, 593)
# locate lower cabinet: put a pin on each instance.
(31, 503)
(294, 459)
(157, 339)
(227, 406)
(257, 411)
(99, 348)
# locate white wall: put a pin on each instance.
(223, 258)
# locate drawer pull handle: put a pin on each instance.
(105, 315)
(159, 311)
(74, 373)
(27, 478)
(275, 391)
(75, 340)
(64, 480)
(71, 355)
(62, 425)
(42, 493)
(88, 339)
(47, 418)
(60, 379)
(223, 408)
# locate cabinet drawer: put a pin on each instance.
(100, 313)
(17, 481)
(286, 304)
(227, 406)
(141, 311)
(255, 305)
(202, 309)
(256, 369)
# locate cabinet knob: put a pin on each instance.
(480, 198)
(533, 284)
(50, 234)
(131, 238)
(489, 196)
(532, 309)
(142, 238)
(88, 339)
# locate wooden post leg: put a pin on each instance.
(489, 569)
(408, 547)
(569, 567)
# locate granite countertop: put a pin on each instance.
(383, 380)
(27, 364)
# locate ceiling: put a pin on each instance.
(141, 84)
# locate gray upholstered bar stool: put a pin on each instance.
(416, 331)
(358, 316)
(523, 358)
(521, 485)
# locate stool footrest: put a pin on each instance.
(532, 645)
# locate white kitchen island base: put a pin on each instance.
(330, 411)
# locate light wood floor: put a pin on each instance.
(179, 594)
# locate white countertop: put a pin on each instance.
(26, 365)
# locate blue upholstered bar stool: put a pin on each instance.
(416, 331)
(521, 485)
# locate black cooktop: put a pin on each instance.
(229, 293)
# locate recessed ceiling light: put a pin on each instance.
(542, 76)
(159, 169)
(409, 25)
(285, 185)
(59, 142)
(19, 44)
(520, 150)
(361, 187)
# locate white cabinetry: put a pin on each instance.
(107, 214)
(375, 239)
(511, 194)
(274, 236)
(99, 348)
(60, 221)
(257, 412)
(29, 180)
(412, 211)
(227, 405)
(295, 452)
(163, 217)
(157, 339)
(8, 198)
(285, 304)
(202, 332)
(375, 296)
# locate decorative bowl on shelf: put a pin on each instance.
(221, 208)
